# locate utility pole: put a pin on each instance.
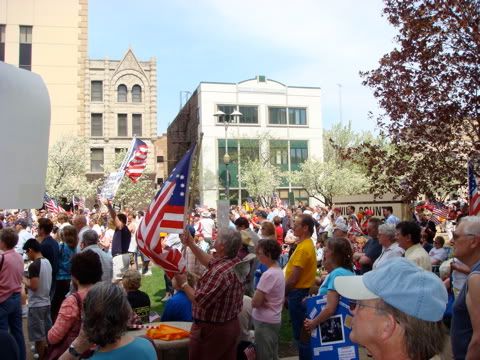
(340, 102)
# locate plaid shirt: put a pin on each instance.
(219, 293)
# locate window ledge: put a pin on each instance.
(239, 124)
(288, 125)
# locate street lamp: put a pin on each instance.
(226, 158)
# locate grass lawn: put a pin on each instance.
(154, 286)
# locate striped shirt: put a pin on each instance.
(219, 293)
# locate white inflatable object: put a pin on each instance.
(24, 132)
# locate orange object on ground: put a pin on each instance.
(167, 333)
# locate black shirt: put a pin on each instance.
(140, 303)
(372, 249)
(121, 241)
(50, 251)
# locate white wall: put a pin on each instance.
(263, 95)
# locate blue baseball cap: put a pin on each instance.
(401, 284)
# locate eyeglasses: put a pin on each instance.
(456, 236)
(354, 304)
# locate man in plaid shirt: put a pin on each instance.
(217, 299)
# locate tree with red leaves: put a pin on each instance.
(428, 87)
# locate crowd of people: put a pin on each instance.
(80, 275)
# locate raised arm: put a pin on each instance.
(201, 255)
(113, 214)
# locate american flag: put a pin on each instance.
(474, 196)
(78, 201)
(276, 200)
(354, 228)
(51, 204)
(439, 212)
(166, 213)
(137, 161)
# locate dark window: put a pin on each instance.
(136, 94)
(120, 151)
(122, 125)
(25, 56)
(297, 116)
(137, 124)
(97, 91)
(159, 181)
(2, 42)
(96, 160)
(96, 125)
(249, 114)
(279, 152)
(277, 116)
(227, 109)
(122, 93)
(298, 151)
(160, 159)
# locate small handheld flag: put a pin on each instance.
(474, 196)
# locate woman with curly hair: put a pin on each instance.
(107, 312)
(338, 261)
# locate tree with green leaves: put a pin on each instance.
(324, 180)
(334, 175)
(260, 179)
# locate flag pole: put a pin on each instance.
(127, 155)
(193, 180)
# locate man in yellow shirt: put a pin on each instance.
(300, 275)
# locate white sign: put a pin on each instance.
(25, 128)
(223, 209)
(111, 185)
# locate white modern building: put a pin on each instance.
(279, 121)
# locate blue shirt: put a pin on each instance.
(328, 283)
(138, 349)
(178, 308)
(65, 262)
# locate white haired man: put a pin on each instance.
(465, 329)
(396, 307)
(217, 299)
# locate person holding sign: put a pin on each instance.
(338, 261)
(299, 277)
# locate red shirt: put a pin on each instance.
(279, 232)
(219, 293)
(11, 274)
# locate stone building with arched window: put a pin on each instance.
(120, 102)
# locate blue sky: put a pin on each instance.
(299, 43)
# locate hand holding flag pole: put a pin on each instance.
(167, 213)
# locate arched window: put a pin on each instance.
(122, 93)
(136, 93)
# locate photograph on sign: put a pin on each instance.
(331, 331)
